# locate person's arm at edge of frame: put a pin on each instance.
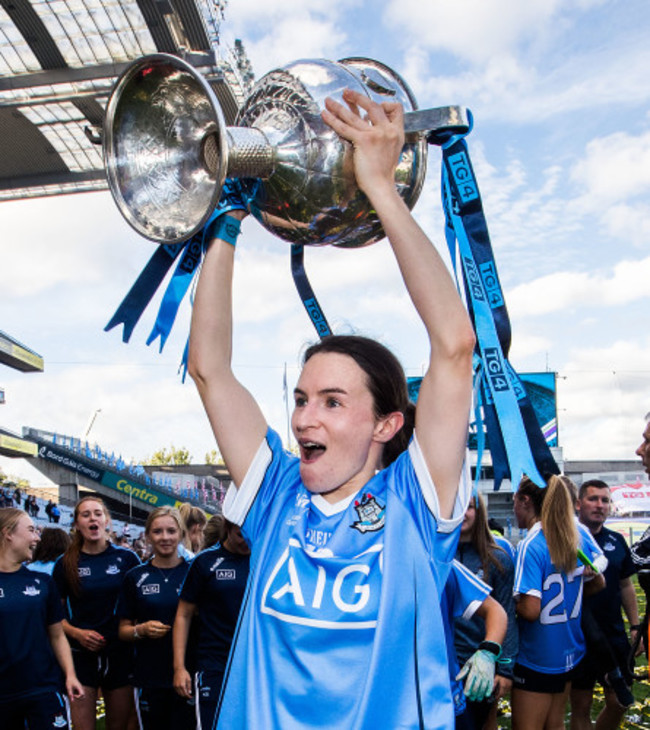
(237, 421)
(63, 654)
(444, 400)
(180, 634)
(631, 608)
(528, 607)
(495, 618)
(593, 582)
(502, 585)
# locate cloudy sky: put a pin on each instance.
(560, 93)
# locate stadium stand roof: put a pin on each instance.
(59, 60)
(18, 356)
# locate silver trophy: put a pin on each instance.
(168, 151)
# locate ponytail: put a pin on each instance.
(559, 525)
(554, 507)
(70, 562)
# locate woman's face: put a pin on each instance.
(334, 424)
(521, 511)
(91, 521)
(235, 541)
(23, 539)
(164, 536)
(468, 521)
(195, 534)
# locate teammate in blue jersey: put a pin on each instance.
(466, 595)
(146, 608)
(89, 576)
(478, 552)
(352, 539)
(35, 661)
(212, 596)
(549, 587)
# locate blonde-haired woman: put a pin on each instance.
(33, 649)
(194, 521)
(89, 576)
(146, 609)
(548, 590)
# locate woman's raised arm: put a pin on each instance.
(444, 401)
(234, 415)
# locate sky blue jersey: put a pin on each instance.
(463, 595)
(341, 626)
(554, 643)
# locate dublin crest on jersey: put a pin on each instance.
(371, 514)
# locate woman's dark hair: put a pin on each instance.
(54, 542)
(386, 382)
(215, 531)
(484, 542)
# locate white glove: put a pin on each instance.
(479, 670)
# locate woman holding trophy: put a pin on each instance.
(351, 541)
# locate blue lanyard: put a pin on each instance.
(514, 437)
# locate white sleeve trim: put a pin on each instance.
(532, 592)
(472, 609)
(238, 502)
(601, 563)
(429, 490)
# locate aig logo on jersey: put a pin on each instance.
(225, 574)
(150, 588)
(321, 590)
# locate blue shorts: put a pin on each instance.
(37, 712)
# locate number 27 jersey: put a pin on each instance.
(554, 643)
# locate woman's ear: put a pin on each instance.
(387, 426)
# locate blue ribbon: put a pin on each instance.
(515, 439)
(176, 290)
(233, 197)
(145, 286)
(307, 296)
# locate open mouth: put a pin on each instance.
(311, 450)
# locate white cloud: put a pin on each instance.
(614, 168)
(567, 291)
(277, 33)
(65, 241)
(472, 29)
(604, 394)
